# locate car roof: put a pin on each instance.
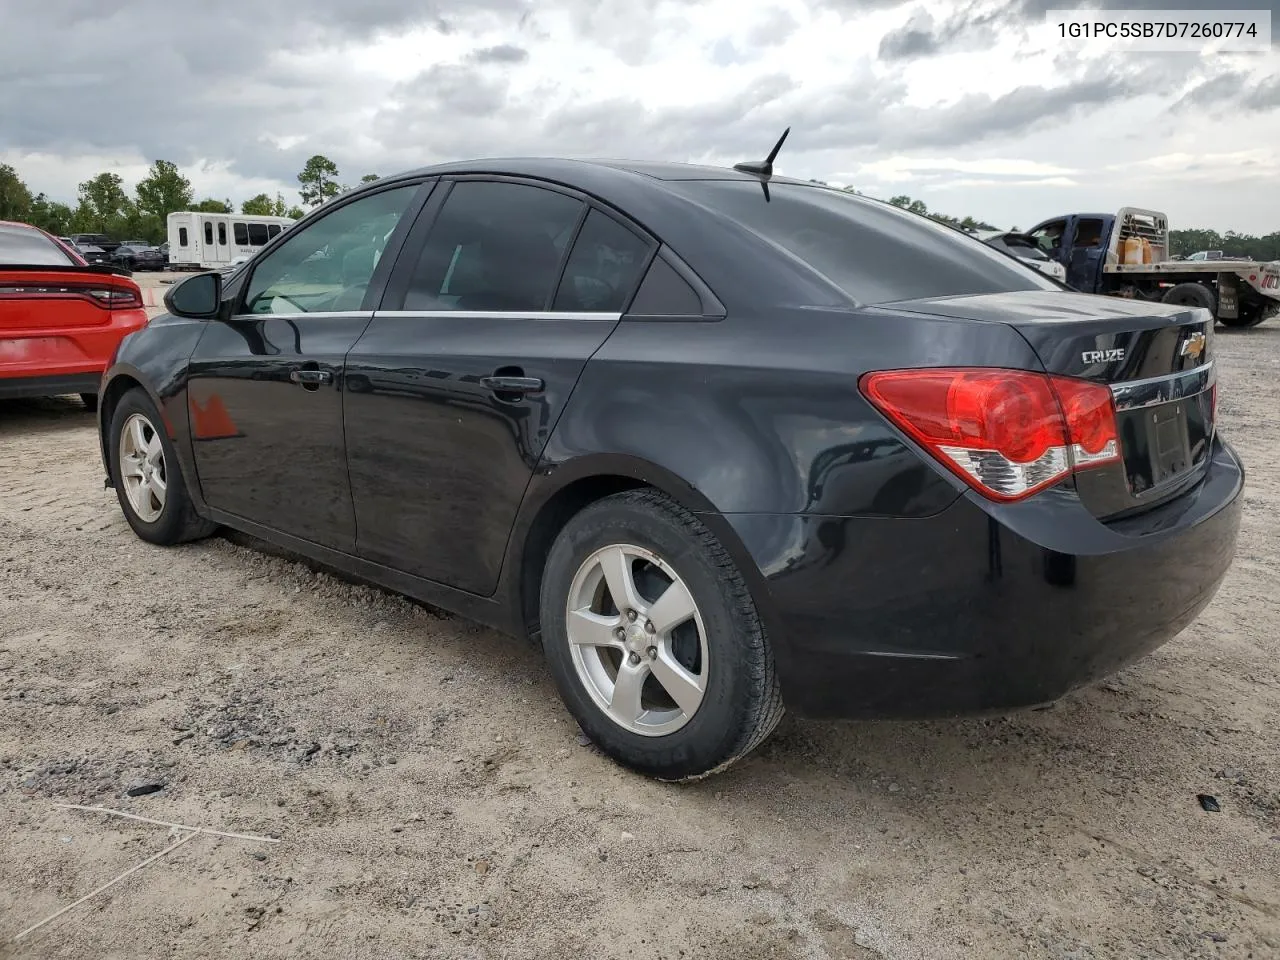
(568, 169)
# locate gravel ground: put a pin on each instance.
(433, 799)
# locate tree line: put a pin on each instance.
(103, 205)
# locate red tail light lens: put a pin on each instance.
(1006, 433)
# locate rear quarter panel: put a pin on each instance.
(759, 418)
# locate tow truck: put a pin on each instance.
(1126, 254)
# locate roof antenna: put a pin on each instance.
(763, 168)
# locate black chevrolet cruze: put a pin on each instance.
(717, 440)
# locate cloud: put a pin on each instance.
(502, 53)
(917, 96)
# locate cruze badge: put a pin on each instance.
(1103, 356)
(1193, 346)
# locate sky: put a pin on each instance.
(974, 106)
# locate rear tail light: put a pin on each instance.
(1006, 433)
(111, 297)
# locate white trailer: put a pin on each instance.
(211, 241)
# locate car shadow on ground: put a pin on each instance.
(43, 414)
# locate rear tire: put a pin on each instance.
(148, 477)
(1192, 295)
(703, 690)
(90, 401)
(1250, 316)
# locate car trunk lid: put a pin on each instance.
(1157, 361)
(43, 297)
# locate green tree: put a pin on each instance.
(296, 213)
(163, 191)
(259, 206)
(15, 198)
(263, 206)
(50, 215)
(213, 206)
(318, 180)
(370, 178)
(103, 204)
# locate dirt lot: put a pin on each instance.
(433, 799)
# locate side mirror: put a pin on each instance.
(197, 297)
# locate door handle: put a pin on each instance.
(512, 385)
(309, 378)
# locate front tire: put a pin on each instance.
(654, 641)
(148, 477)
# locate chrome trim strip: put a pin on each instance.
(1135, 394)
(499, 315)
(318, 315)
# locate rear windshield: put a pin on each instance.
(872, 251)
(27, 247)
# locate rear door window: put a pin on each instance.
(495, 247)
(603, 268)
(874, 252)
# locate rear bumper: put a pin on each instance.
(985, 608)
(62, 359)
(49, 386)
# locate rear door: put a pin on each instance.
(265, 387)
(504, 291)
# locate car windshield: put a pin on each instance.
(29, 247)
(874, 252)
(1024, 247)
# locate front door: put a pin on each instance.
(265, 387)
(1084, 253)
(456, 385)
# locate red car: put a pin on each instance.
(61, 319)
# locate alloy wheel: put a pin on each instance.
(637, 640)
(142, 468)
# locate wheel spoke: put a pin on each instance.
(138, 436)
(155, 452)
(616, 565)
(593, 629)
(625, 701)
(158, 486)
(130, 467)
(684, 687)
(673, 608)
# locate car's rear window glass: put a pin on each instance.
(20, 245)
(874, 252)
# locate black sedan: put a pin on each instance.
(716, 440)
(137, 256)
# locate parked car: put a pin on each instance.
(136, 256)
(1024, 247)
(61, 318)
(91, 254)
(96, 240)
(717, 440)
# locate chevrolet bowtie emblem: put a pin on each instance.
(1193, 346)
